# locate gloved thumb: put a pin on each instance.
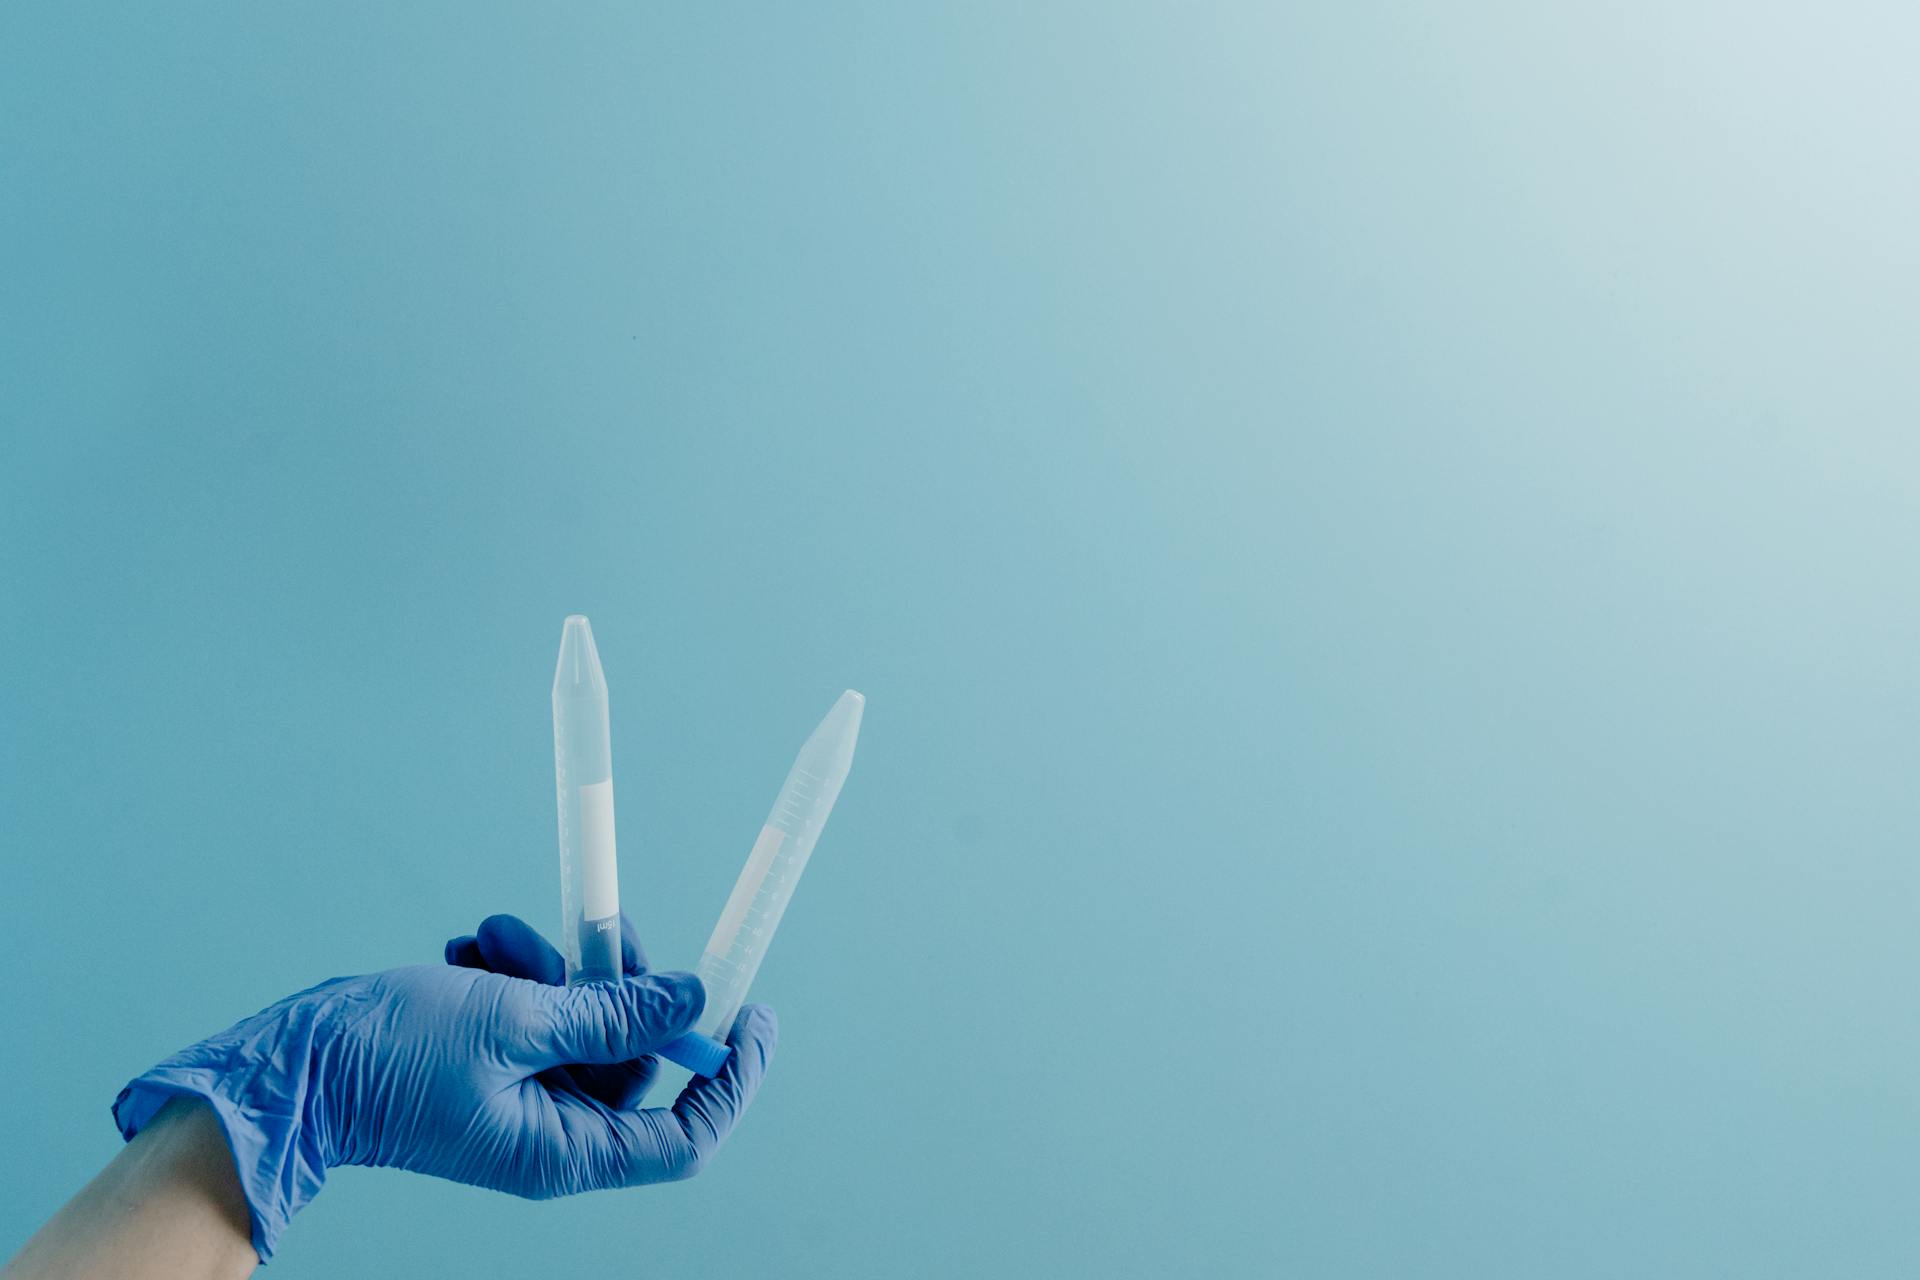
(603, 1022)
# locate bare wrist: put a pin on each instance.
(169, 1204)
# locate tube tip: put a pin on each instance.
(846, 712)
(578, 671)
(838, 730)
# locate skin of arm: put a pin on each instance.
(167, 1207)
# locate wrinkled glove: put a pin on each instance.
(495, 1078)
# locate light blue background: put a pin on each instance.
(1379, 540)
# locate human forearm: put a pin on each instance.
(167, 1207)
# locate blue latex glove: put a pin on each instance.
(510, 946)
(487, 1078)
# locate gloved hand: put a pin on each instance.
(487, 1078)
(510, 946)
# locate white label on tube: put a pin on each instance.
(599, 870)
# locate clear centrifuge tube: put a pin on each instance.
(766, 884)
(583, 778)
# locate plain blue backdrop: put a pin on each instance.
(1379, 540)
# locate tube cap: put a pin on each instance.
(702, 1055)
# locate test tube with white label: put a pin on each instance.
(583, 777)
(766, 884)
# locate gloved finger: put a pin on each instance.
(508, 945)
(620, 1085)
(708, 1109)
(664, 1144)
(464, 952)
(608, 1022)
(516, 948)
(512, 947)
(633, 956)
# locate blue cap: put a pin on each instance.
(702, 1055)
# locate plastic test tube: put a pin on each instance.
(583, 779)
(766, 884)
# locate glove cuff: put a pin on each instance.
(250, 1137)
(256, 1076)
